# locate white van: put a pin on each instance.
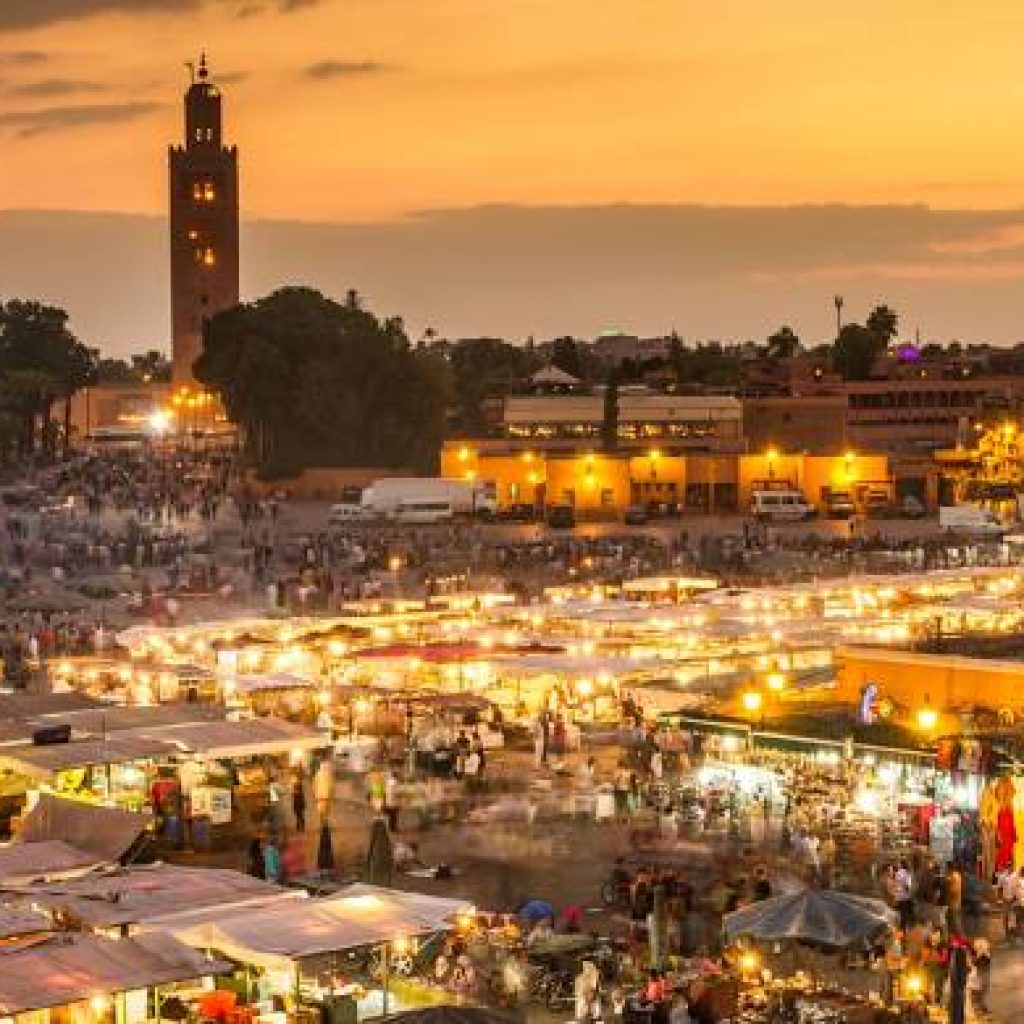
(424, 512)
(780, 506)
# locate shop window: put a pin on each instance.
(607, 497)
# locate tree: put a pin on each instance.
(884, 323)
(142, 368)
(314, 382)
(855, 351)
(565, 354)
(610, 419)
(481, 368)
(41, 362)
(782, 344)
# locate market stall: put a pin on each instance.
(299, 951)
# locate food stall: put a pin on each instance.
(297, 952)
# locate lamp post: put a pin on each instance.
(927, 716)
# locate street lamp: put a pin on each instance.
(927, 716)
(752, 701)
(776, 681)
(838, 300)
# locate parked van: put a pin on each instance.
(561, 517)
(839, 505)
(780, 506)
(424, 512)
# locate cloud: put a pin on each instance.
(710, 272)
(326, 69)
(49, 88)
(30, 123)
(16, 15)
(24, 14)
(23, 58)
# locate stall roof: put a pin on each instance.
(107, 720)
(21, 863)
(144, 894)
(42, 762)
(250, 737)
(30, 705)
(102, 833)
(583, 665)
(269, 681)
(71, 968)
(360, 915)
(17, 922)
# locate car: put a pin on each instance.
(519, 513)
(839, 505)
(345, 513)
(912, 508)
(636, 515)
(561, 517)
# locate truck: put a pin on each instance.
(385, 499)
(967, 518)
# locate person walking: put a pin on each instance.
(256, 866)
(391, 801)
(323, 788)
(954, 899)
(903, 895)
(299, 803)
(271, 861)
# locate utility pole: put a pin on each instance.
(838, 300)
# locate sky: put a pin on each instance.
(521, 167)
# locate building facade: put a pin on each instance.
(709, 422)
(605, 484)
(203, 223)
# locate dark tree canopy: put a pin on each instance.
(41, 363)
(565, 354)
(782, 344)
(480, 368)
(143, 368)
(858, 346)
(314, 382)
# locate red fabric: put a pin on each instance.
(1006, 839)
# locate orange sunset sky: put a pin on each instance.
(352, 112)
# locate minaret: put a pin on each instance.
(204, 223)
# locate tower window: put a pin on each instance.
(204, 192)
(206, 256)
(193, 235)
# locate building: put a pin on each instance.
(605, 484)
(203, 223)
(923, 413)
(704, 422)
(612, 348)
(796, 423)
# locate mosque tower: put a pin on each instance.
(204, 223)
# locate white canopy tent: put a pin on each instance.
(274, 937)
